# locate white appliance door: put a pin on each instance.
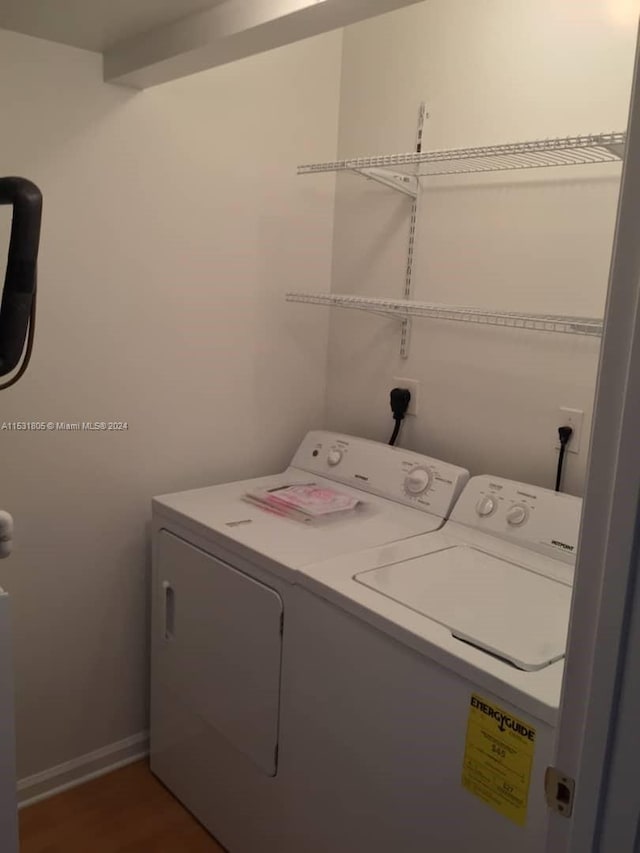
(600, 678)
(8, 799)
(221, 645)
(491, 603)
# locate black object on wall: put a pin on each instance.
(17, 309)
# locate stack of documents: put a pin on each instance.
(303, 501)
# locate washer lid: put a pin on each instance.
(492, 603)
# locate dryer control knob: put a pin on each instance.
(417, 481)
(334, 457)
(517, 515)
(486, 506)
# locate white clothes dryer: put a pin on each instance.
(223, 591)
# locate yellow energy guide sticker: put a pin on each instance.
(498, 757)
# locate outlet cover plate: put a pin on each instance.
(413, 386)
(572, 418)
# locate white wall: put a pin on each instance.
(490, 71)
(173, 224)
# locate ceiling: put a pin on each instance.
(149, 42)
(93, 24)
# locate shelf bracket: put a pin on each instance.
(617, 149)
(407, 184)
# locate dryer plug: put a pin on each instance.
(399, 399)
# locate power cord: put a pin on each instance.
(564, 434)
(399, 398)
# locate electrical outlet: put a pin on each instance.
(413, 386)
(572, 418)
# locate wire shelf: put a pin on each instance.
(403, 308)
(540, 153)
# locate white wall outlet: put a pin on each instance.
(413, 386)
(572, 418)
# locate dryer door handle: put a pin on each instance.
(169, 610)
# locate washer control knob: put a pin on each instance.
(486, 506)
(334, 457)
(417, 481)
(517, 515)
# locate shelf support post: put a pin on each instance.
(405, 334)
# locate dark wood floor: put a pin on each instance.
(128, 811)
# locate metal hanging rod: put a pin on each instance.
(539, 153)
(401, 309)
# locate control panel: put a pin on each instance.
(532, 517)
(427, 484)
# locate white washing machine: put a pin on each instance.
(223, 594)
(425, 718)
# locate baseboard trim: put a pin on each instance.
(38, 787)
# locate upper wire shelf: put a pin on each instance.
(540, 153)
(403, 308)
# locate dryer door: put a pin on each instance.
(218, 645)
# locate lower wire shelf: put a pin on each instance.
(404, 308)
